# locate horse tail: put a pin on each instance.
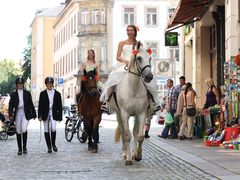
(117, 134)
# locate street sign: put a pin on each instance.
(60, 81)
(171, 39)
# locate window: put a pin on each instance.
(75, 23)
(103, 54)
(75, 59)
(151, 16)
(170, 12)
(103, 17)
(155, 52)
(154, 47)
(129, 16)
(95, 16)
(71, 27)
(174, 54)
(84, 17)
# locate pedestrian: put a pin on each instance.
(124, 54)
(171, 105)
(187, 101)
(180, 105)
(147, 126)
(50, 111)
(182, 81)
(212, 97)
(21, 110)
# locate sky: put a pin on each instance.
(16, 17)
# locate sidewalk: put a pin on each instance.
(222, 163)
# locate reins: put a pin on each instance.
(139, 73)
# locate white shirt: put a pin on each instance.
(50, 97)
(20, 96)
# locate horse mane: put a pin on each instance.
(131, 63)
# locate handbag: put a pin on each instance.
(168, 119)
(191, 111)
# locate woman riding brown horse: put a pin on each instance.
(90, 107)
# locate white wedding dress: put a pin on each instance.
(118, 73)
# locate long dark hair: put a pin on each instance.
(188, 86)
(135, 29)
(93, 54)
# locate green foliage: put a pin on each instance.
(9, 72)
(26, 67)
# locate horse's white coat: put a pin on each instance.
(132, 100)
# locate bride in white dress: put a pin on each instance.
(124, 54)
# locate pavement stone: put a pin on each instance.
(74, 161)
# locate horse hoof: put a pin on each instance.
(94, 150)
(90, 148)
(128, 162)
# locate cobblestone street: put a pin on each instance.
(73, 161)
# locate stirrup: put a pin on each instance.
(157, 108)
(106, 108)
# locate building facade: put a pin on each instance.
(42, 48)
(81, 26)
(151, 17)
(211, 37)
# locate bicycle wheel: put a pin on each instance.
(81, 133)
(68, 130)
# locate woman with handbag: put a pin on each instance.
(188, 112)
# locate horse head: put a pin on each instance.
(140, 63)
(89, 84)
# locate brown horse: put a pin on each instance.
(90, 108)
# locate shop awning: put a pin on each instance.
(188, 11)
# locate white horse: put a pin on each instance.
(131, 99)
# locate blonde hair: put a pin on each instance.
(209, 82)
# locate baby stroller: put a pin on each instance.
(8, 128)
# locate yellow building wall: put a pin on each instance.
(48, 46)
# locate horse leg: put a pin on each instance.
(120, 132)
(141, 123)
(95, 139)
(135, 135)
(95, 133)
(89, 132)
(126, 137)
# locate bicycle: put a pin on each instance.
(74, 125)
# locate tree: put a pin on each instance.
(9, 72)
(26, 67)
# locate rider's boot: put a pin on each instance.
(24, 142)
(19, 143)
(105, 107)
(156, 107)
(53, 138)
(48, 142)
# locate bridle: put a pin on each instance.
(139, 69)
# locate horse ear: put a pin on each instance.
(84, 72)
(139, 44)
(94, 71)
